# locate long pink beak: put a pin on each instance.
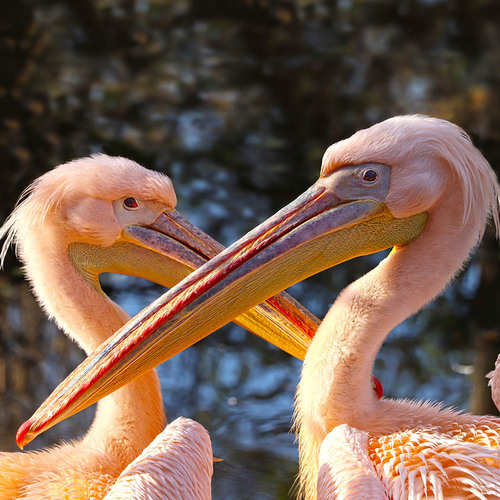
(316, 231)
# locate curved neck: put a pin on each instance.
(68, 294)
(131, 417)
(336, 384)
(343, 351)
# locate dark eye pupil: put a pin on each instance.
(130, 203)
(370, 175)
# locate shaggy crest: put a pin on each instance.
(403, 140)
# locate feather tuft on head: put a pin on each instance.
(98, 176)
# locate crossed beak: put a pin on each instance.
(280, 320)
(316, 231)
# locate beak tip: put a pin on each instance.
(22, 438)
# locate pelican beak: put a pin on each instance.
(170, 248)
(170, 234)
(318, 230)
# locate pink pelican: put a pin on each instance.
(413, 183)
(109, 214)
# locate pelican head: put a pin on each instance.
(105, 214)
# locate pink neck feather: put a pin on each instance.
(335, 387)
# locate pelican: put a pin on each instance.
(414, 183)
(494, 383)
(109, 214)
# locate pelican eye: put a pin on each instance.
(370, 175)
(130, 203)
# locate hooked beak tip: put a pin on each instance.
(22, 433)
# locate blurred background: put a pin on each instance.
(236, 101)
